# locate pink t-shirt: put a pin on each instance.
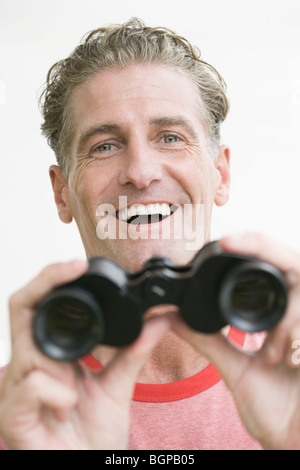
(197, 413)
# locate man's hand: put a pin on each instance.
(265, 385)
(45, 404)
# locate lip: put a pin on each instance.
(146, 203)
(173, 206)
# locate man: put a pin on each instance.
(134, 115)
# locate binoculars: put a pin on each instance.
(106, 305)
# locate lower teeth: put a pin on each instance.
(146, 219)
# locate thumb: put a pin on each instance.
(228, 358)
(121, 374)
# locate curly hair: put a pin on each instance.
(116, 46)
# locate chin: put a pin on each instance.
(134, 255)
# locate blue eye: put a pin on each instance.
(170, 139)
(103, 148)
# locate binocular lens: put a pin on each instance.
(253, 295)
(253, 298)
(68, 321)
(69, 324)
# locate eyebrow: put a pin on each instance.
(176, 121)
(95, 130)
(157, 122)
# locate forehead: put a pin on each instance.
(135, 92)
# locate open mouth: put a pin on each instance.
(146, 213)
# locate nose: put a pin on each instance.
(141, 165)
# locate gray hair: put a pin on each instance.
(116, 46)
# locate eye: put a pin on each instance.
(104, 150)
(170, 138)
(106, 147)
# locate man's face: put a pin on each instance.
(138, 133)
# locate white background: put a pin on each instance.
(255, 46)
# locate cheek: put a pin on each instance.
(79, 175)
(200, 173)
(89, 173)
(90, 185)
(81, 189)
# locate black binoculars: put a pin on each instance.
(106, 305)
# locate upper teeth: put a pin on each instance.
(142, 209)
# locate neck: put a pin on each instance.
(171, 360)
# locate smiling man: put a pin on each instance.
(133, 116)
(134, 135)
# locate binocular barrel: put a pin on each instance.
(107, 304)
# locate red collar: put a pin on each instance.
(173, 391)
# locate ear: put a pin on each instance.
(61, 193)
(222, 165)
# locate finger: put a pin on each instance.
(288, 261)
(25, 355)
(277, 342)
(293, 349)
(22, 364)
(121, 374)
(39, 389)
(265, 248)
(224, 355)
(20, 412)
(24, 301)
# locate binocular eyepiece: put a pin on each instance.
(106, 305)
